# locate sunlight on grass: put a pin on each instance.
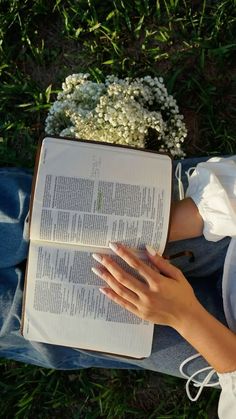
(191, 44)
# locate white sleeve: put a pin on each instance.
(212, 186)
(227, 402)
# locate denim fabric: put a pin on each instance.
(169, 348)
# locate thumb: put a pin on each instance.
(162, 264)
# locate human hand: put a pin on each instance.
(166, 297)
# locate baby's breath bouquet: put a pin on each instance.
(136, 112)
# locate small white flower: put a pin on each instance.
(119, 111)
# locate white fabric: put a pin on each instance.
(229, 286)
(212, 186)
(227, 402)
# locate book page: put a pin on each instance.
(90, 194)
(63, 305)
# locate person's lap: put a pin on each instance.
(169, 349)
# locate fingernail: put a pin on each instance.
(150, 250)
(113, 246)
(96, 271)
(97, 257)
(102, 291)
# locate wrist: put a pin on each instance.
(189, 319)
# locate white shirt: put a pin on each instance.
(212, 186)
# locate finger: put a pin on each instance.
(120, 274)
(162, 264)
(119, 300)
(116, 286)
(135, 262)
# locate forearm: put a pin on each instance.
(185, 220)
(215, 342)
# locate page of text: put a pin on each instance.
(64, 293)
(91, 194)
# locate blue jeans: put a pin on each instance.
(169, 348)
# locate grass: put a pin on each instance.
(189, 43)
(28, 392)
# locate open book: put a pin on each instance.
(85, 195)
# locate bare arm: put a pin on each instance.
(209, 337)
(215, 342)
(185, 220)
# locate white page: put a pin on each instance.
(92, 193)
(63, 304)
